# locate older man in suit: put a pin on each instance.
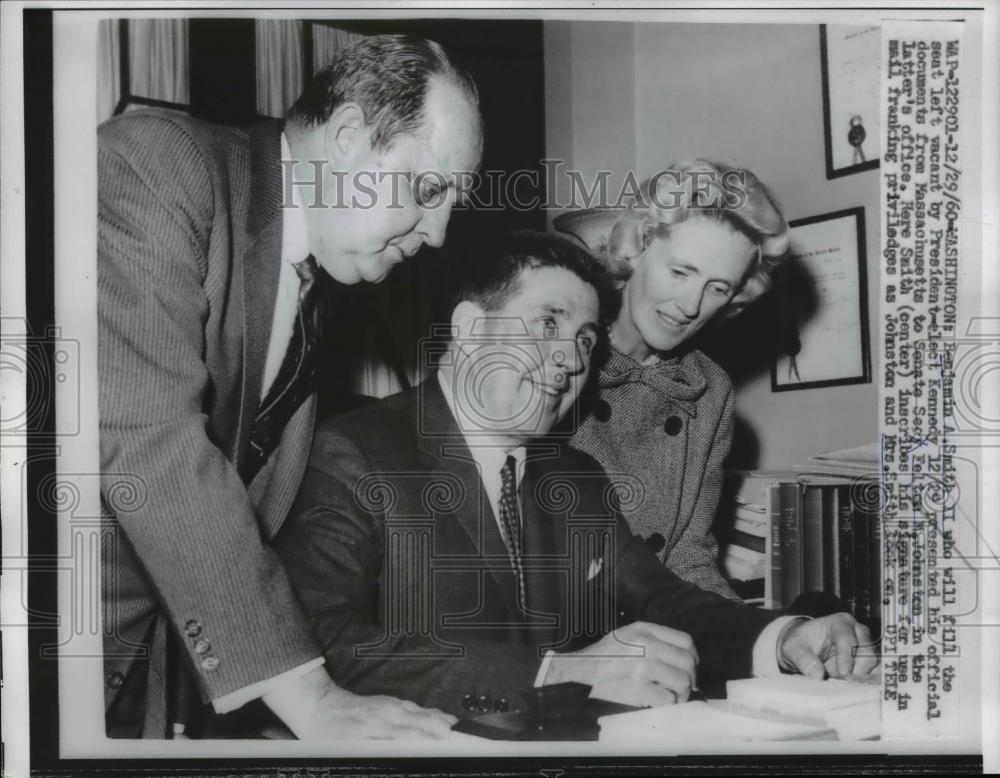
(217, 249)
(448, 551)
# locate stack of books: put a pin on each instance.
(746, 554)
(797, 532)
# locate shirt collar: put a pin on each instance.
(294, 234)
(489, 456)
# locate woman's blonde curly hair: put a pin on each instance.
(708, 190)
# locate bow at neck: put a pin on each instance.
(676, 382)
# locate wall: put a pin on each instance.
(743, 94)
(590, 117)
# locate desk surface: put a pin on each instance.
(776, 709)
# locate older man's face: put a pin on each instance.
(398, 198)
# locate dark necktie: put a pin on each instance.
(510, 521)
(296, 378)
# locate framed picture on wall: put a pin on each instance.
(849, 56)
(823, 303)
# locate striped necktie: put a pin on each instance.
(510, 521)
(296, 378)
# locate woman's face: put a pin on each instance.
(679, 283)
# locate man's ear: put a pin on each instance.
(466, 318)
(347, 133)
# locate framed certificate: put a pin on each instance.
(849, 55)
(823, 300)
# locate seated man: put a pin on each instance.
(448, 552)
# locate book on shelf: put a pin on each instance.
(862, 561)
(790, 529)
(876, 561)
(812, 538)
(845, 530)
(831, 544)
(774, 594)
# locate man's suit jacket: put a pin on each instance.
(395, 553)
(189, 244)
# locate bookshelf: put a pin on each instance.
(805, 538)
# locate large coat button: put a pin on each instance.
(484, 704)
(672, 426)
(602, 411)
(202, 646)
(115, 680)
(469, 702)
(209, 663)
(192, 629)
(501, 705)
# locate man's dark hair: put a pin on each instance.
(492, 276)
(388, 76)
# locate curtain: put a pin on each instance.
(279, 65)
(397, 334)
(158, 62)
(108, 69)
(327, 41)
(158, 59)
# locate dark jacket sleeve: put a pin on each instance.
(724, 631)
(334, 547)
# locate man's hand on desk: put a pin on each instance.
(315, 708)
(641, 664)
(835, 645)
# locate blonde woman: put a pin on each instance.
(700, 245)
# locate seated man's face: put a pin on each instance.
(526, 363)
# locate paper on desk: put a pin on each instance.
(851, 708)
(700, 721)
(862, 459)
